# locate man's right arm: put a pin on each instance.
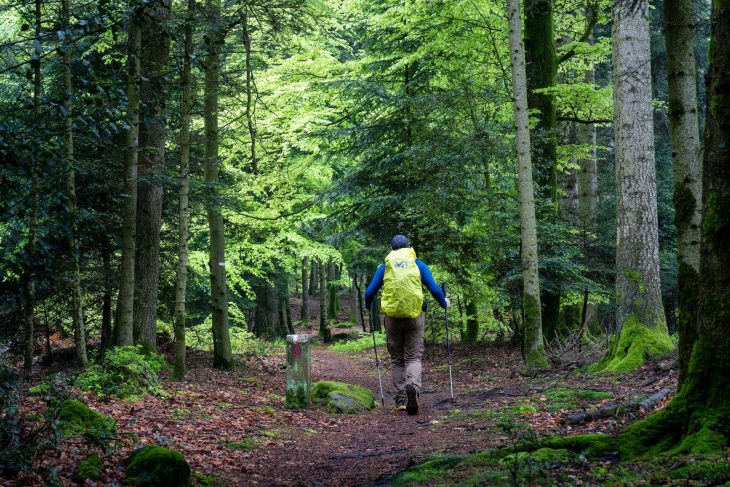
(375, 284)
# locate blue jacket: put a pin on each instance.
(426, 279)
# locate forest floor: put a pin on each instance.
(233, 428)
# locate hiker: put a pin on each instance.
(401, 277)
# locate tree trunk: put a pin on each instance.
(541, 73)
(332, 293)
(154, 60)
(125, 304)
(639, 313)
(106, 310)
(314, 279)
(355, 295)
(68, 142)
(250, 95)
(361, 302)
(532, 319)
(471, 335)
(305, 292)
(222, 356)
(324, 331)
(686, 153)
(186, 104)
(29, 290)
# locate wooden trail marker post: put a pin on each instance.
(298, 372)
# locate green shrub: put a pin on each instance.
(363, 343)
(126, 372)
(154, 466)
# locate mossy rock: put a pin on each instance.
(89, 468)
(341, 398)
(76, 418)
(154, 466)
(543, 455)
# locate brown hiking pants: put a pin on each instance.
(405, 346)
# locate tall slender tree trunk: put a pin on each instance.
(222, 356)
(471, 333)
(361, 303)
(68, 139)
(639, 313)
(125, 305)
(250, 95)
(324, 330)
(686, 154)
(186, 106)
(29, 290)
(314, 279)
(106, 311)
(354, 296)
(331, 291)
(154, 59)
(532, 319)
(305, 292)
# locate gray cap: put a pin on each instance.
(399, 242)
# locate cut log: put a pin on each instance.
(618, 409)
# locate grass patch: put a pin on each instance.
(247, 444)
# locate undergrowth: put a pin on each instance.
(365, 342)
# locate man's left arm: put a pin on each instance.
(428, 281)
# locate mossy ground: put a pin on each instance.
(89, 468)
(76, 418)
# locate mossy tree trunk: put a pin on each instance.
(471, 334)
(532, 319)
(222, 356)
(639, 312)
(152, 132)
(125, 304)
(68, 142)
(686, 153)
(186, 104)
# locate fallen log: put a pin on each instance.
(617, 409)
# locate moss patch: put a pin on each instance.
(636, 343)
(247, 444)
(561, 398)
(89, 468)
(426, 471)
(157, 466)
(341, 398)
(76, 418)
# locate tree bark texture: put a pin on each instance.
(532, 322)
(68, 142)
(153, 61)
(314, 279)
(686, 164)
(324, 330)
(222, 356)
(305, 292)
(125, 304)
(331, 291)
(541, 70)
(186, 105)
(639, 313)
(471, 335)
(29, 289)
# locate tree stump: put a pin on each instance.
(298, 372)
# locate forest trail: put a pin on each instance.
(233, 428)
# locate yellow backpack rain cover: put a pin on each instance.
(402, 294)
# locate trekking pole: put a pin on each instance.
(377, 362)
(448, 343)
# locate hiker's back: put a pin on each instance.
(402, 294)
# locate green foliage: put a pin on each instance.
(365, 342)
(156, 466)
(126, 372)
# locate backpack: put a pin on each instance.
(402, 294)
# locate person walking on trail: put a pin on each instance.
(401, 277)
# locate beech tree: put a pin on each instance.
(531, 314)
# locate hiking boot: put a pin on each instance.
(400, 405)
(412, 404)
